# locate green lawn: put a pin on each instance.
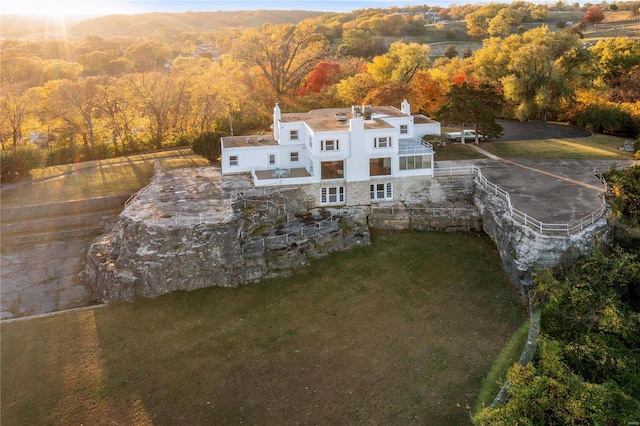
(456, 151)
(593, 147)
(91, 179)
(401, 332)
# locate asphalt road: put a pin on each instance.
(520, 130)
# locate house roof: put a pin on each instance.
(247, 141)
(324, 120)
(422, 119)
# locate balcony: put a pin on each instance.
(281, 176)
(414, 146)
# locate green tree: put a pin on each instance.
(208, 145)
(480, 106)
(400, 63)
(615, 57)
(531, 69)
(451, 52)
(360, 43)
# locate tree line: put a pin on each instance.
(100, 96)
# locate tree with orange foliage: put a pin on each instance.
(427, 95)
(594, 15)
(323, 74)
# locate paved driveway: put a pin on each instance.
(520, 130)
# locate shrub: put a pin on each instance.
(606, 119)
(16, 163)
(208, 145)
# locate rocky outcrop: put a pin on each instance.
(161, 243)
(192, 229)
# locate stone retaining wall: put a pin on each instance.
(522, 250)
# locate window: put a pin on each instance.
(382, 142)
(332, 170)
(330, 145)
(272, 159)
(293, 135)
(381, 191)
(412, 162)
(332, 195)
(233, 160)
(294, 157)
(310, 142)
(404, 129)
(379, 166)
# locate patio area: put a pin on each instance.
(279, 174)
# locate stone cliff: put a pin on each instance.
(189, 230)
(193, 228)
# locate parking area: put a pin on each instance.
(527, 130)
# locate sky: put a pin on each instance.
(107, 7)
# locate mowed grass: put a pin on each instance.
(456, 151)
(92, 179)
(400, 332)
(593, 147)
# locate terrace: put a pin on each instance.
(280, 176)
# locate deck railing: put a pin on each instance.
(301, 234)
(569, 228)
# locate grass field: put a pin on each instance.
(593, 147)
(401, 332)
(92, 179)
(456, 151)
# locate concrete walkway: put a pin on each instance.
(549, 190)
(43, 278)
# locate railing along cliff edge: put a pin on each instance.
(569, 228)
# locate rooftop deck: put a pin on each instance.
(414, 146)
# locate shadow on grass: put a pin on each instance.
(401, 332)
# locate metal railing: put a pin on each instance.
(569, 228)
(413, 211)
(299, 234)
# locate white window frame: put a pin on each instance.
(381, 191)
(272, 159)
(424, 164)
(233, 160)
(382, 142)
(294, 157)
(330, 145)
(293, 135)
(404, 129)
(332, 195)
(386, 164)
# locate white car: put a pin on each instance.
(469, 135)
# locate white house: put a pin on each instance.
(342, 156)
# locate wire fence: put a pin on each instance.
(543, 228)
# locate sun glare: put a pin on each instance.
(57, 8)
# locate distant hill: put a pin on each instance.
(146, 24)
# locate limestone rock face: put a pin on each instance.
(524, 251)
(188, 230)
(193, 228)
